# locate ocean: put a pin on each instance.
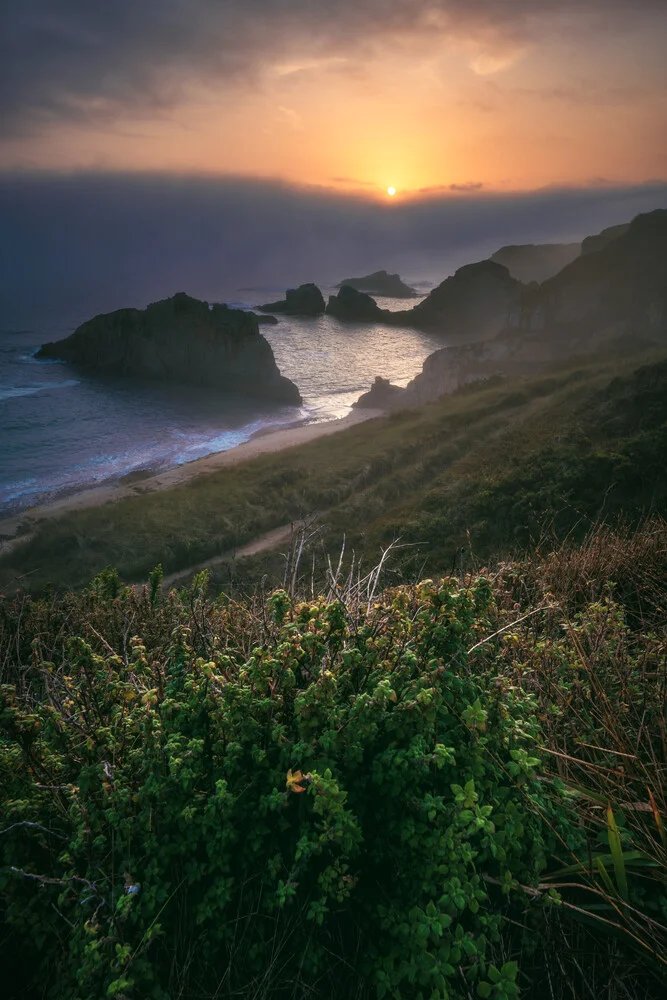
(61, 431)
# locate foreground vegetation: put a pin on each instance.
(487, 470)
(318, 779)
(448, 790)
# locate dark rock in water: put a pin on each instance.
(355, 306)
(266, 320)
(473, 304)
(382, 395)
(594, 243)
(381, 283)
(536, 262)
(179, 340)
(306, 300)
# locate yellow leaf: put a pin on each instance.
(293, 779)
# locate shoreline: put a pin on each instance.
(16, 528)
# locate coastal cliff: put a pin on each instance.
(617, 290)
(617, 294)
(536, 261)
(474, 303)
(179, 340)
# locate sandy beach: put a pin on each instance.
(16, 528)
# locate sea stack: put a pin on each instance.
(179, 340)
(306, 300)
(381, 283)
(357, 307)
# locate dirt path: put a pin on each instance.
(263, 543)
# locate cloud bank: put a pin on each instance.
(78, 244)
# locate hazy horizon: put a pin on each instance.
(201, 146)
(75, 244)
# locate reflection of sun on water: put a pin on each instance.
(391, 191)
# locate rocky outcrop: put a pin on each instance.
(614, 298)
(306, 300)
(594, 243)
(382, 395)
(179, 340)
(381, 283)
(536, 261)
(618, 290)
(266, 320)
(354, 306)
(473, 304)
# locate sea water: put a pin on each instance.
(61, 430)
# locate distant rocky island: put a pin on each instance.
(381, 283)
(306, 300)
(179, 340)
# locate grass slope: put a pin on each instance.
(489, 468)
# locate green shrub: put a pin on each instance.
(285, 799)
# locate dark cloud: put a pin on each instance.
(471, 186)
(92, 59)
(78, 244)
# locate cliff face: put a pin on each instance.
(536, 262)
(179, 340)
(594, 243)
(474, 303)
(618, 290)
(615, 294)
(381, 283)
(306, 300)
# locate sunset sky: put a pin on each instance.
(348, 94)
(207, 145)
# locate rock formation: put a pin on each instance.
(536, 261)
(306, 300)
(266, 320)
(382, 395)
(613, 297)
(349, 304)
(594, 243)
(617, 290)
(179, 340)
(474, 303)
(381, 283)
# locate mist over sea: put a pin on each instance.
(61, 430)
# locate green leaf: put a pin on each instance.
(484, 989)
(509, 970)
(616, 849)
(494, 974)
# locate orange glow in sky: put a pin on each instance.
(472, 110)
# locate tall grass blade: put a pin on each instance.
(616, 849)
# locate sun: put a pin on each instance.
(391, 191)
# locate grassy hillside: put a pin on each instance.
(489, 469)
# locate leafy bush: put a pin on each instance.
(281, 799)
